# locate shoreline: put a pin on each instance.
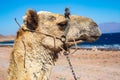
(78, 48)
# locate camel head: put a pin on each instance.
(81, 29)
(40, 39)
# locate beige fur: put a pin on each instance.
(34, 54)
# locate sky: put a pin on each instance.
(100, 11)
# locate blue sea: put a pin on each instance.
(7, 43)
(106, 41)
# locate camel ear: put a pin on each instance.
(31, 19)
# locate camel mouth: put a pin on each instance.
(83, 39)
(74, 41)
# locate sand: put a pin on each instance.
(87, 64)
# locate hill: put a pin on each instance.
(109, 27)
(1, 36)
(6, 38)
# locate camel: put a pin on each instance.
(38, 43)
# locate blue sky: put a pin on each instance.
(99, 10)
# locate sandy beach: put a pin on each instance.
(88, 65)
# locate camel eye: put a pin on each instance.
(62, 25)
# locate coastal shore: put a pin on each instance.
(89, 64)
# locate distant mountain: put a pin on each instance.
(1, 36)
(6, 38)
(110, 27)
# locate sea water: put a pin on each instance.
(7, 43)
(107, 41)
